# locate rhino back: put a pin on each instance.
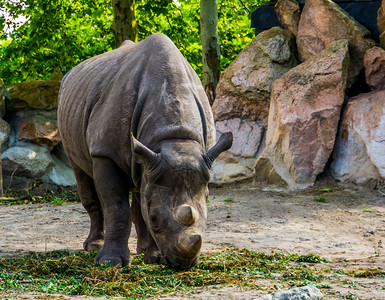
(146, 88)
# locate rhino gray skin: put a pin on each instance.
(137, 119)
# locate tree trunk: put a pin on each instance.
(124, 25)
(210, 46)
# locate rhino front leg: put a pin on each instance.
(113, 190)
(91, 203)
(140, 225)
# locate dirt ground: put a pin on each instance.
(348, 230)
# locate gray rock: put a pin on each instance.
(237, 163)
(302, 293)
(27, 160)
(59, 173)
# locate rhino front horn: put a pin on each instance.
(190, 243)
(186, 215)
(224, 143)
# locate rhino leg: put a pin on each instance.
(91, 203)
(140, 225)
(113, 190)
(153, 254)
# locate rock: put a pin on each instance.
(36, 126)
(322, 22)
(301, 293)
(5, 131)
(381, 23)
(374, 62)
(360, 146)
(288, 14)
(60, 174)
(57, 75)
(303, 118)
(27, 160)
(237, 163)
(244, 87)
(33, 94)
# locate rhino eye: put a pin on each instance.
(156, 224)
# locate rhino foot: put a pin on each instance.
(94, 245)
(115, 258)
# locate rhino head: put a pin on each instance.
(174, 191)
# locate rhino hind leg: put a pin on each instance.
(112, 186)
(140, 225)
(91, 203)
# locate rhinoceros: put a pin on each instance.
(137, 119)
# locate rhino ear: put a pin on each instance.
(224, 143)
(141, 153)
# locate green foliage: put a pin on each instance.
(57, 33)
(229, 200)
(76, 274)
(62, 33)
(321, 199)
(36, 194)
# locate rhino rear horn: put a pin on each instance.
(224, 143)
(142, 154)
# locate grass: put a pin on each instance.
(35, 196)
(76, 274)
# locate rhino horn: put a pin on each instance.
(143, 154)
(190, 243)
(186, 215)
(224, 143)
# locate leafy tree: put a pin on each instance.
(62, 33)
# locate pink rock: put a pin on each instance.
(37, 127)
(303, 119)
(374, 61)
(360, 146)
(322, 22)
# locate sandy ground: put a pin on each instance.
(348, 230)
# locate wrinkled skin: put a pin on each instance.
(136, 119)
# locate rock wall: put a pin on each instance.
(30, 141)
(322, 117)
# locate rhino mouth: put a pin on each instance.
(180, 263)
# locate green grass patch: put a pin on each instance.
(321, 199)
(76, 274)
(228, 200)
(32, 196)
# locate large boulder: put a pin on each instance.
(288, 13)
(242, 102)
(303, 118)
(26, 160)
(374, 61)
(322, 22)
(381, 23)
(36, 126)
(244, 87)
(38, 94)
(360, 146)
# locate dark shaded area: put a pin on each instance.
(363, 11)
